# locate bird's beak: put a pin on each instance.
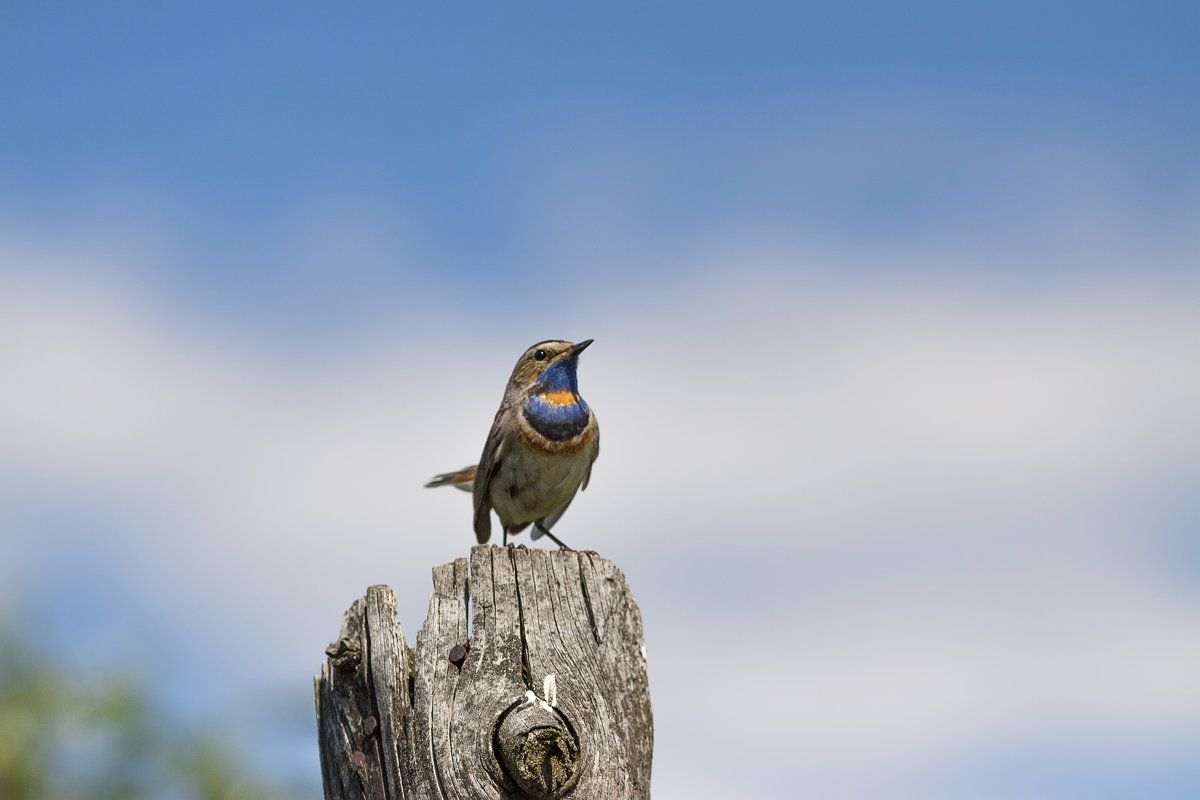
(579, 348)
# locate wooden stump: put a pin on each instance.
(545, 697)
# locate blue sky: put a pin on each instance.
(470, 124)
(899, 299)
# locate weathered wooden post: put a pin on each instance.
(545, 697)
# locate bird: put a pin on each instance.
(540, 450)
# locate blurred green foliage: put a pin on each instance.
(67, 736)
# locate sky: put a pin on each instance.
(896, 309)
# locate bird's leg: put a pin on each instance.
(554, 538)
(505, 529)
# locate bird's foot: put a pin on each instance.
(553, 538)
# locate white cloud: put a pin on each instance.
(975, 460)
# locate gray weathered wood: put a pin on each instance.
(544, 696)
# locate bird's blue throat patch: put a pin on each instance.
(554, 407)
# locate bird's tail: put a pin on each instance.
(462, 479)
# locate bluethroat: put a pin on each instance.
(540, 449)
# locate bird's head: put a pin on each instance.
(547, 371)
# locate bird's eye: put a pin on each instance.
(540, 355)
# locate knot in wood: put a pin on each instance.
(458, 654)
(537, 749)
(345, 654)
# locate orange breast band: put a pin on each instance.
(562, 397)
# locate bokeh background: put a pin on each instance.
(897, 321)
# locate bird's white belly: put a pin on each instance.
(529, 486)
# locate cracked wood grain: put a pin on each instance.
(540, 692)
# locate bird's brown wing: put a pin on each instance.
(595, 454)
(489, 462)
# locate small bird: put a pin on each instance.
(540, 449)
